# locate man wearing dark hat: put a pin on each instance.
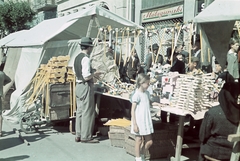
(154, 56)
(177, 65)
(85, 115)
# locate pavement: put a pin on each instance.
(56, 143)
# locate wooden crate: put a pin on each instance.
(116, 136)
(117, 139)
(163, 142)
(59, 113)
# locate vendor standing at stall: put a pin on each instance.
(85, 115)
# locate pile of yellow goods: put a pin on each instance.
(118, 122)
(58, 70)
(55, 71)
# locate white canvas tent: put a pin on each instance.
(13, 55)
(217, 22)
(73, 26)
(11, 37)
(54, 37)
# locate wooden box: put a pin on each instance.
(163, 142)
(59, 113)
(116, 135)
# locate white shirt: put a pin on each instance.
(86, 67)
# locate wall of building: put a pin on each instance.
(146, 4)
(120, 7)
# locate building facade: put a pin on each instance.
(162, 17)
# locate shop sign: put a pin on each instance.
(162, 14)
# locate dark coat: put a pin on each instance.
(218, 123)
(178, 66)
(149, 60)
(133, 67)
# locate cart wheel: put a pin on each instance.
(26, 124)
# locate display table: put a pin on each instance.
(115, 102)
(182, 113)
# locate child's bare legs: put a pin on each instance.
(138, 142)
(148, 143)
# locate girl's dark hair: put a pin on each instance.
(142, 78)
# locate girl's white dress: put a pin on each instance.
(143, 115)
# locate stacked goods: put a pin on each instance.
(192, 92)
(116, 136)
(70, 75)
(208, 87)
(164, 140)
(57, 68)
(54, 72)
(187, 93)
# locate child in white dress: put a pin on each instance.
(141, 121)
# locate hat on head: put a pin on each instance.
(195, 59)
(86, 41)
(155, 46)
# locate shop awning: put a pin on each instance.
(216, 22)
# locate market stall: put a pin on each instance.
(52, 38)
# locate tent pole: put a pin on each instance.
(98, 25)
(89, 27)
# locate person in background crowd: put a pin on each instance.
(232, 59)
(3, 62)
(85, 115)
(218, 70)
(141, 121)
(182, 53)
(155, 55)
(146, 60)
(180, 57)
(177, 65)
(133, 66)
(196, 48)
(220, 121)
(4, 79)
(193, 65)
